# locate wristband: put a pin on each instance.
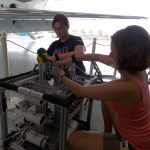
(56, 56)
(73, 59)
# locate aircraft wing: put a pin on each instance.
(28, 20)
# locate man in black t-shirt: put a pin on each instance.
(67, 45)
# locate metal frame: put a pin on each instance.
(7, 83)
(63, 128)
(3, 118)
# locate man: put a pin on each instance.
(67, 45)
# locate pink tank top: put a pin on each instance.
(133, 123)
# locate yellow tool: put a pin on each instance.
(41, 55)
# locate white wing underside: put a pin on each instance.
(28, 20)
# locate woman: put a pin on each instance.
(129, 95)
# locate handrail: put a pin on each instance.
(50, 14)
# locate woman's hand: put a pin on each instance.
(58, 71)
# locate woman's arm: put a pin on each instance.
(105, 59)
(114, 90)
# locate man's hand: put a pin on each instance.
(51, 58)
(65, 63)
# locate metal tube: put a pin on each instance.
(55, 99)
(63, 128)
(33, 117)
(115, 73)
(89, 113)
(41, 73)
(93, 52)
(3, 119)
(4, 59)
(15, 146)
(35, 138)
(72, 127)
(4, 55)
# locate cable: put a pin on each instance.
(19, 131)
(55, 145)
(97, 44)
(88, 45)
(21, 47)
(36, 53)
(102, 44)
(81, 69)
(45, 4)
(10, 137)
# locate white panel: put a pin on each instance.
(11, 26)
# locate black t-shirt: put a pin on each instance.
(65, 47)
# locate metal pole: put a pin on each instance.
(93, 52)
(115, 73)
(4, 59)
(3, 119)
(63, 128)
(4, 55)
(89, 113)
(42, 68)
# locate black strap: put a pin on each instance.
(56, 56)
(73, 59)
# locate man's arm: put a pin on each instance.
(78, 50)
